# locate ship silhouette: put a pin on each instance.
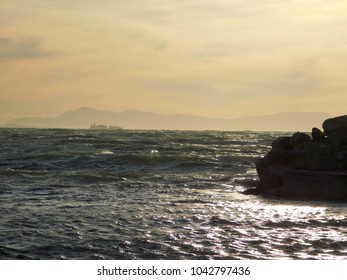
(102, 126)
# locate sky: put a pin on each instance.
(224, 59)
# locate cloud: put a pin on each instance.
(28, 48)
(178, 87)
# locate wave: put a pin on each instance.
(73, 194)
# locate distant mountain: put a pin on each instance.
(132, 119)
(5, 118)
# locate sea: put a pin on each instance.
(148, 195)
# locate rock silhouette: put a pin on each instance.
(307, 167)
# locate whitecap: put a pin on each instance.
(106, 153)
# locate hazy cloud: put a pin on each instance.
(28, 48)
(177, 87)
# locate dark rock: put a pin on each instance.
(273, 157)
(299, 138)
(282, 143)
(304, 184)
(271, 178)
(333, 124)
(298, 167)
(337, 138)
(317, 135)
(255, 191)
(286, 182)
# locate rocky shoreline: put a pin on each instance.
(307, 166)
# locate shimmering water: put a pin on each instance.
(83, 194)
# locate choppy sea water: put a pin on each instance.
(122, 194)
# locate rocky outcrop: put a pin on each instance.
(307, 166)
(334, 124)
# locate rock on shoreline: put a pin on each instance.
(307, 167)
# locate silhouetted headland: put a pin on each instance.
(307, 167)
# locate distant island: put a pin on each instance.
(132, 119)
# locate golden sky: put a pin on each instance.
(217, 58)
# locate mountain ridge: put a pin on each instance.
(133, 119)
